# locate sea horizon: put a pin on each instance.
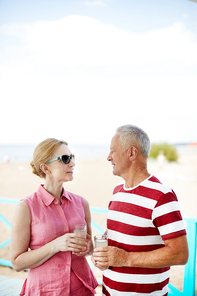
(24, 152)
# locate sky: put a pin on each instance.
(76, 70)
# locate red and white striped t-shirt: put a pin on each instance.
(140, 219)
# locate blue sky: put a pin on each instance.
(77, 70)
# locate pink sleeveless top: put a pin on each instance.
(50, 220)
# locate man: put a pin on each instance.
(146, 233)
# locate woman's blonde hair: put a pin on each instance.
(43, 153)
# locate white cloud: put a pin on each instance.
(77, 40)
(185, 15)
(81, 78)
(95, 3)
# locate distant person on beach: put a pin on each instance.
(161, 159)
(6, 159)
(146, 233)
(42, 238)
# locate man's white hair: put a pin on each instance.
(133, 135)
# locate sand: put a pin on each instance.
(93, 179)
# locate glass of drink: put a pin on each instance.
(80, 229)
(100, 241)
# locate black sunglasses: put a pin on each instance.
(64, 158)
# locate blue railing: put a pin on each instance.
(190, 268)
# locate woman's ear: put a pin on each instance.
(45, 168)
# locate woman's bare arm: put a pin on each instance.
(20, 257)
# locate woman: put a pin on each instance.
(42, 237)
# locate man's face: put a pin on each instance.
(118, 157)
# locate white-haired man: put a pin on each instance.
(146, 233)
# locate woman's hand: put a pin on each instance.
(70, 242)
(89, 247)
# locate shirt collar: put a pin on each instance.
(47, 198)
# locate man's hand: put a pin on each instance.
(104, 257)
(174, 252)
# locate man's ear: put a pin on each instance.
(132, 152)
(45, 168)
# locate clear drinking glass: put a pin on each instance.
(80, 229)
(100, 241)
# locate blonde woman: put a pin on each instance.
(42, 237)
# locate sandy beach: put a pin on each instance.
(93, 179)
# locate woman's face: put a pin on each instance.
(59, 171)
